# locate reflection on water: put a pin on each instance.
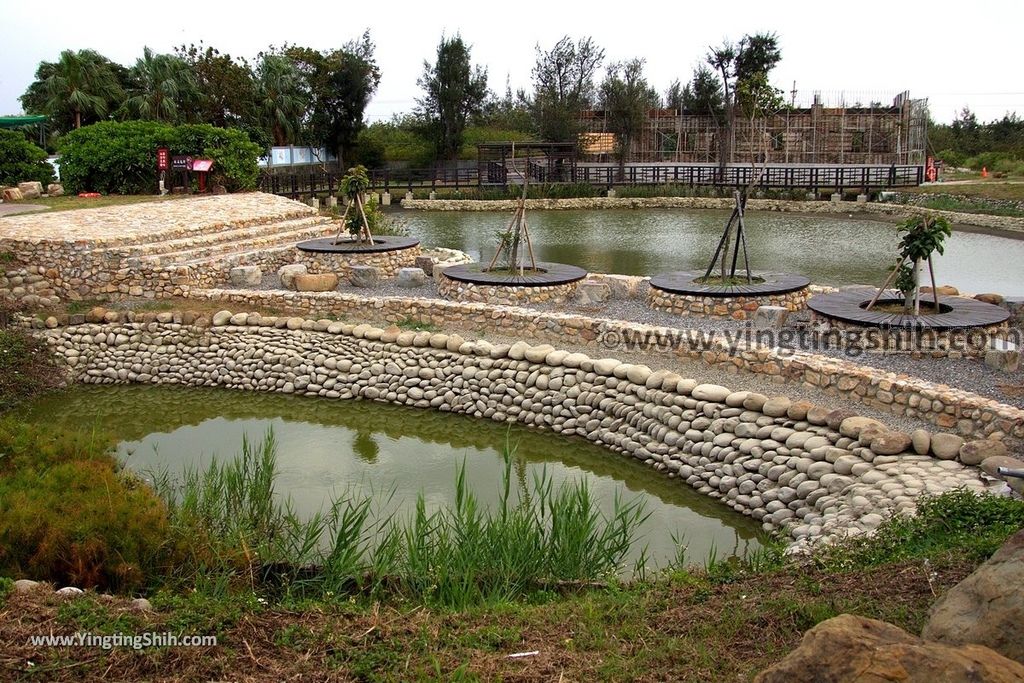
(327, 448)
(828, 249)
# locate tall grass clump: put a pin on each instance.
(551, 537)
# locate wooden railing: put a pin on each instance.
(863, 178)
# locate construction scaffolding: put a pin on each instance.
(820, 133)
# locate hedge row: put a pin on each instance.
(21, 161)
(120, 158)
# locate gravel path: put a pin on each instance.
(967, 374)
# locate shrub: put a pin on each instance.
(67, 516)
(120, 158)
(21, 161)
(953, 158)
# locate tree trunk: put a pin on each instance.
(78, 118)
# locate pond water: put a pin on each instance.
(831, 250)
(329, 448)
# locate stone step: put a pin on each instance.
(207, 239)
(286, 237)
(239, 257)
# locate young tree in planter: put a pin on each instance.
(454, 90)
(626, 97)
(354, 186)
(922, 235)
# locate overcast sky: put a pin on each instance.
(953, 53)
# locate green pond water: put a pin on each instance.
(331, 448)
(828, 249)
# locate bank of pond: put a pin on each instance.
(332, 495)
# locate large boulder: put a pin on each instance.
(364, 276)
(946, 446)
(411, 277)
(324, 282)
(986, 608)
(12, 194)
(890, 443)
(245, 276)
(975, 452)
(287, 274)
(31, 190)
(593, 294)
(852, 426)
(770, 317)
(851, 648)
(55, 190)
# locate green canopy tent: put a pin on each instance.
(26, 120)
(18, 121)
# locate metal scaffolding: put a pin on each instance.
(823, 132)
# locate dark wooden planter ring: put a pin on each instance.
(550, 283)
(773, 283)
(679, 293)
(957, 312)
(326, 245)
(546, 275)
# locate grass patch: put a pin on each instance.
(417, 325)
(956, 524)
(27, 367)
(985, 189)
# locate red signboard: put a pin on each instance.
(202, 165)
(163, 159)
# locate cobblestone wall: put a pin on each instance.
(811, 473)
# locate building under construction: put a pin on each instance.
(815, 134)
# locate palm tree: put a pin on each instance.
(166, 89)
(81, 82)
(281, 97)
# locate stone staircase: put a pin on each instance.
(194, 258)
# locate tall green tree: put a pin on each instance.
(165, 89)
(341, 84)
(703, 95)
(626, 97)
(281, 97)
(81, 87)
(227, 85)
(563, 86)
(743, 69)
(453, 91)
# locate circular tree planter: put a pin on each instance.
(962, 327)
(683, 293)
(388, 253)
(548, 283)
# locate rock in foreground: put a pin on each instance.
(850, 648)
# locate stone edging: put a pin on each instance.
(965, 412)
(1008, 223)
(809, 473)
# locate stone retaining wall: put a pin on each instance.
(807, 472)
(388, 262)
(881, 210)
(737, 308)
(456, 290)
(949, 408)
(954, 343)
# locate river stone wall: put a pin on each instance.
(735, 307)
(969, 414)
(881, 210)
(806, 472)
(456, 290)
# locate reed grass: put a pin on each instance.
(552, 536)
